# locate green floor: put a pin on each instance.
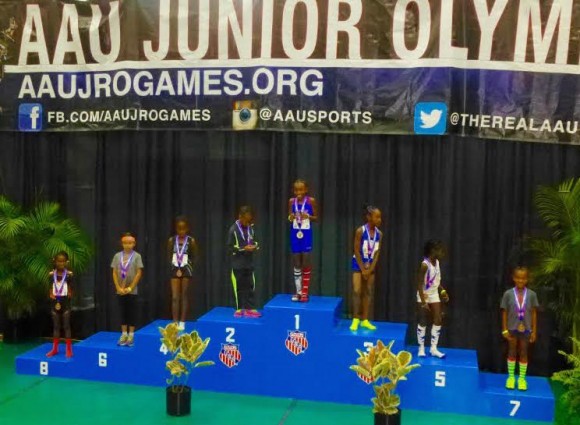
(34, 400)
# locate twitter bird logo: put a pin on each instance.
(430, 118)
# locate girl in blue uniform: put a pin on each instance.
(302, 211)
(367, 240)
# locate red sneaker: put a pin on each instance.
(253, 314)
(69, 352)
(54, 350)
(304, 298)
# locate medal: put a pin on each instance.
(125, 265)
(246, 237)
(57, 306)
(371, 246)
(299, 211)
(58, 288)
(179, 253)
(521, 308)
(300, 235)
(179, 274)
(521, 327)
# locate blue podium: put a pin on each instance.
(302, 351)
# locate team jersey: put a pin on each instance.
(301, 230)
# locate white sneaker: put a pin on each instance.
(296, 297)
(421, 352)
(436, 353)
(181, 326)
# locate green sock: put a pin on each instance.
(511, 368)
(523, 370)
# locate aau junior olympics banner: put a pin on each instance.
(491, 68)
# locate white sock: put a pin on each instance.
(124, 333)
(435, 332)
(421, 331)
(131, 334)
(298, 279)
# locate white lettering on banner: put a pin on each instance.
(561, 12)
(163, 46)
(202, 30)
(33, 25)
(228, 19)
(114, 32)
(302, 34)
(406, 23)
(348, 26)
(288, 29)
(487, 24)
(446, 48)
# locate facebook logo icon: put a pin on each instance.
(30, 117)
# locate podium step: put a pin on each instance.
(301, 351)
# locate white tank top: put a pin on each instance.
(432, 277)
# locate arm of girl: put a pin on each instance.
(194, 252)
(118, 288)
(505, 332)
(314, 216)
(169, 251)
(290, 214)
(135, 282)
(356, 246)
(533, 336)
(376, 258)
(70, 284)
(421, 283)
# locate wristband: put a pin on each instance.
(505, 332)
(289, 217)
(443, 292)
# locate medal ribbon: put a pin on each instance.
(58, 287)
(373, 244)
(125, 265)
(249, 234)
(521, 308)
(301, 211)
(179, 253)
(430, 280)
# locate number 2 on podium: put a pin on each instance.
(230, 335)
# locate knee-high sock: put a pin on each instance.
(523, 369)
(511, 364)
(306, 279)
(421, 331)
(298, 279)
(435, 332)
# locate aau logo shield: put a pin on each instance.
(230, 355)
(296, 342)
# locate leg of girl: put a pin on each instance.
(368, 290)
(131, 317)
(423, 315)
(55, 333)
(175, 294)
(356, 300)
(184, 301)
(67, 332)
(436, 330)
(306, 270)
(123, 314)
(297, 262)
(523, 342)
(511, 362)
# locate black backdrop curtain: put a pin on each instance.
(475, 195)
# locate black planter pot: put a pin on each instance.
(178, 400)
(381, 419)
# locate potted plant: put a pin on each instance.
(570, 378)
(29, 240)
(558, 268)
(385, 368)
(185, 351)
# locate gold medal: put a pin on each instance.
(299, 235)
(521, 327)
(179, 274)
(57, 306)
